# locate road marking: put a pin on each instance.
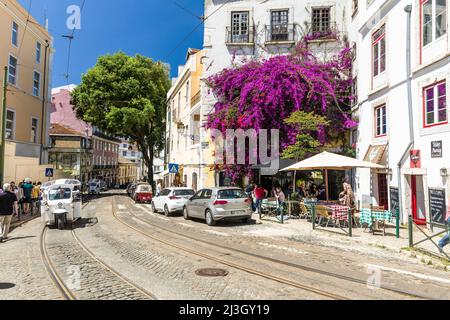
(417, 275)
(268, 245)
(162, 218)
(185, 224)
(217, 233)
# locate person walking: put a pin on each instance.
(281, 198)
(27, 188)
(8, 201)
(446, 239)
(35, 198)
(260, 193)
(347, 197)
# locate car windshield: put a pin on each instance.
(59, 194)
(144, 188)
(183, 193)
(93, 184)
(231, 194)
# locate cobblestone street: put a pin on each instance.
(125, 251)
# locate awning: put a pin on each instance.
(331, 161)
(375, 153)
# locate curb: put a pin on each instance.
(18, 224)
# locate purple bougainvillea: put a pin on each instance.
(262, 94)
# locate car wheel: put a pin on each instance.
(166, 211)
(153, 207)
(246, 220)
(186, 214)
(210, 219)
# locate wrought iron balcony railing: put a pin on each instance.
(322, 31)
(240, 36)
(280, 33)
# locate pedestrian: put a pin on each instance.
(27, 188)
(15, 190)
(347, 197)
(446, 239)
(35, 198)
(8, 201)
(20, 199)
(260, 193)
(281, 198)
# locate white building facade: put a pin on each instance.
(403, 73)
(239, 31)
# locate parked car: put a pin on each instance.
(94, 188)
(216, 204)
(172, 200)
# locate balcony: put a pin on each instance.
(195, 99)
(240, 36)
(322, 32)
(280, 33)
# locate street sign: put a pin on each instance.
(49, 172)
(436, 149)
(174, 168)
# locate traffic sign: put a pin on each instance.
(174, 168)
(49, 172)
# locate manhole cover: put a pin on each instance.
(211, 272)
(5, 286)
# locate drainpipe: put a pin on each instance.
(44, 100)
(408, 10)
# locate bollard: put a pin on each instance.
(397, 223)
(314, 217)
(410, 231)
(350, 223)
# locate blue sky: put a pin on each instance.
(149, 27)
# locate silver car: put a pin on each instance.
(216, 204)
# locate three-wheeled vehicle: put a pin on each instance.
(61, 205)
(143, 193)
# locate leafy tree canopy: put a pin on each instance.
(126, 96)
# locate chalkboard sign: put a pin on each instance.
(438, 208)
(394, 199)
(436, 149)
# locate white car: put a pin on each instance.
(172, 200)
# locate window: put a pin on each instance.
(380, 121)
(240, 27)
(38, 52)
(354, 92)
(34, 130)
(379, 51)
(124, 153)
(279, 25)
(434, 20)
(15, 34)
(10, 124)
(12, 70)
(321, 19)
(179, 104)
(187, 92)
(36, 83)
(354, 51)
(435, 100)
(355, 6)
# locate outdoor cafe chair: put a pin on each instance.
(305, 213)
(323, 214)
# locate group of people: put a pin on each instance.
(16, 201)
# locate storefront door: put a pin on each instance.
(383, 191)
(417, 200)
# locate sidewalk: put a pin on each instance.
(16, 223)
(362, 241)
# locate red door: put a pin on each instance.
(418, 220)
(383, 191)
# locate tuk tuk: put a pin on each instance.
(61, 205)
(143, 193)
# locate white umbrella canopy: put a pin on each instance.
(331, 161)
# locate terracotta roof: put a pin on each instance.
(57, 129)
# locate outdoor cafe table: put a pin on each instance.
(338, 212)
(369, 216)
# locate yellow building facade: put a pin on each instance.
(186, 138)
(127, 172)
(26, 51)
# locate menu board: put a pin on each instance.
(438, 208)
(394, 200)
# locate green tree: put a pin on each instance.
(307, 142)
(126, 97)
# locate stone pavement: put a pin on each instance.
(23, 275)
(363, 241)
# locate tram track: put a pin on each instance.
(219, 260)
(402, 292)
(65, 291)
